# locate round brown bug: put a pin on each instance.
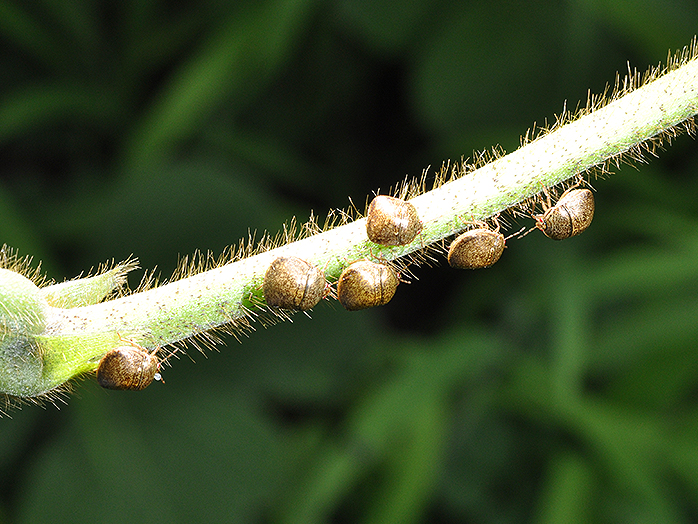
(391, 221)
(476, 249)
(128, 367)
(293, 283)
(569, 217)
(366, 284)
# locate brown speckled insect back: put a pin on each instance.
(127, 367)
(366, 284)
(293, 283)
(391, 221)
(569, 217)
(476, 249)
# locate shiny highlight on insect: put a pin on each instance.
(569, 217)
(366, 284)
(476, 249)
(293, 283)
(392, 221)
(128, 367)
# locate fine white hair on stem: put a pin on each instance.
(226, 293)
(602, 134)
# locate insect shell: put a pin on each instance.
(570, 216)
(391, 221)
(293, 283)
(366, 284)
(476, 249)
(128, 367)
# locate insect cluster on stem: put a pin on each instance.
(292, 283)
(481, 247)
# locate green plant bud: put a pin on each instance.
(22, 316)
(90, 290)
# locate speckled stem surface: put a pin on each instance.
(73, 339)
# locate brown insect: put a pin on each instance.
(128, 367)
(476, 249)
(366, 284)
(391, 221)
(569, 217)
(293, 283)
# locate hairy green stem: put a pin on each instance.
(47, 336)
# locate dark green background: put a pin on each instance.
(561, 385)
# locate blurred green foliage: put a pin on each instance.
(561, 385)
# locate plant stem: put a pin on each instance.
(74, 338)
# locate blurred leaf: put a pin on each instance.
(568, 493)
(76, 18)
(557, 385)
(17, 229)
(647, 22)
(382, 423)
(384, 26)
(241, 55)
(45, 105)
(175, 210)
(412, 469)
(468, 75)
(31, 35)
